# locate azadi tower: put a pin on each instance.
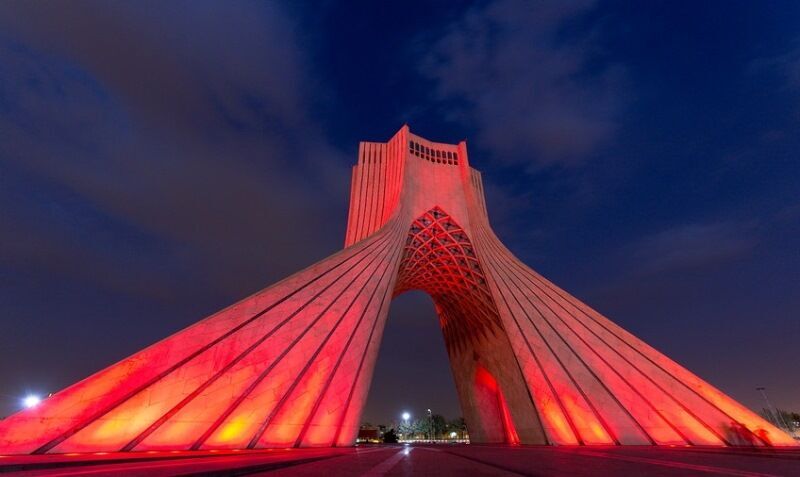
(291, 365)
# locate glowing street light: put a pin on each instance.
(406, 416)
(31, 400)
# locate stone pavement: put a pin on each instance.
(422, 460)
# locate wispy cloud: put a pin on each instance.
(693, 245)
(526, 82)
(180, 123)
(786, 65)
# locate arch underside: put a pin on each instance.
(440, 259)
(291, 365)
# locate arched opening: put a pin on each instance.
(412, 370)
(439, 259)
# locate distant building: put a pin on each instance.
(370, 434)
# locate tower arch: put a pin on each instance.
(291, 365)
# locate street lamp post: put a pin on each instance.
(430, 420)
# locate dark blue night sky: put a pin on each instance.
(160, 161)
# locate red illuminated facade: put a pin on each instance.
(291, 365)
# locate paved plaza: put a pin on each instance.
(421, 460)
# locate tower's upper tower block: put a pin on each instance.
(412, 171)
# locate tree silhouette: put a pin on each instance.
(390, 437)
